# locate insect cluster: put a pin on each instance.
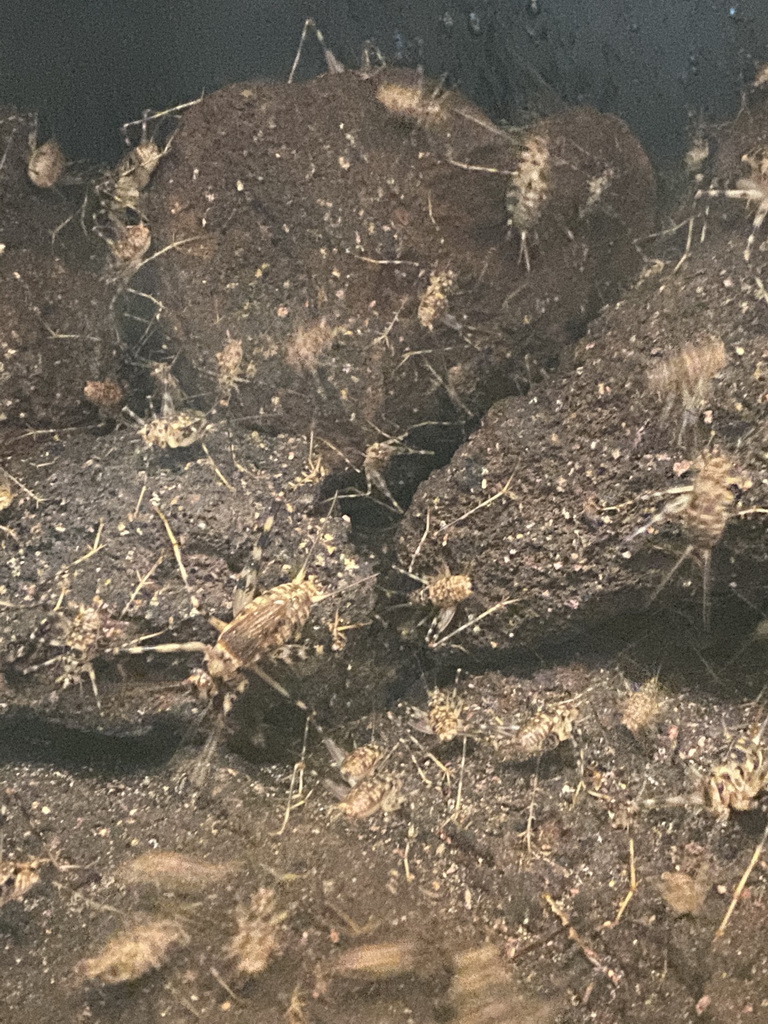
(736, 784)
(480, 990)
(120, 219)
(448, 716)
(365, 791)
(543, 732)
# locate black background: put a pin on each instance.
(89, 65)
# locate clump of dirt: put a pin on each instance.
(265, 897)
(367, 241)
(111, 541)
(520, 838)
(58, 331)
(573, 505)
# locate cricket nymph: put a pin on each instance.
(444, 593)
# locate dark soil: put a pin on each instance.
(147, 874)
(58, 330)
(319, 215)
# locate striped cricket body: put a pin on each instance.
(267, 622)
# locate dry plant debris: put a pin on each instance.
(684, 893)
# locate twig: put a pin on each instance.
(233, 995)
(177, 555)
(531, 811)
(142, 492)
(613, 976)
(142, 582)
(162, 113)
(216, 469)
(420, 544)
(26, 490)
(483, 504)
(632, 886)
(740, 887)
(385, 263)
(477, 618)
(96, 546)
(460, 784)
(167, 248)
(297, 773)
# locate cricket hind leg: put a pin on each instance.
(669, 575)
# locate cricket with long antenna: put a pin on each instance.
(704, 509)
(261, 628)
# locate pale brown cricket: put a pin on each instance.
(683, 379)
(642, 709)
(107, 395)
(357, 764)
(174, 427)
(229, 359)
(129, 243)
(88, 635)
(752, 188)
(736, 784)
(444, 593)
(257, 939)
(540, 734)
(704, 510)
(6, 490)
(481, 992)
(121, 190)
(445, 716)
(528, 192)
(145, 945)
(433, 304)
(733, 785)
(371, 794)
(263, 626)
(17, 878)
(377, 460)
(46, 164)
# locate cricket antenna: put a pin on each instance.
(301, 574)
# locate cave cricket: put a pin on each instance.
(704, 508)
(735, 784)
(263, 627)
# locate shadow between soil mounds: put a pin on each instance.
(32, 739)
